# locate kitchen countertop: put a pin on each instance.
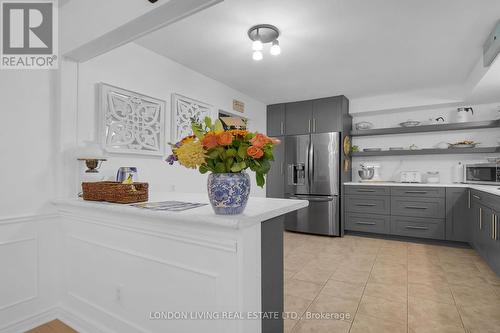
(258, 209)
(492, 189)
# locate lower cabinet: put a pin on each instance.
(379, 224)
(485, 225)
(418, 227)
(458, 214)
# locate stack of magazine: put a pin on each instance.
(172, 206)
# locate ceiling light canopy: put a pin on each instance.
(263, 34)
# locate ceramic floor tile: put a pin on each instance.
(391, 292)
(432, 314)
(390, 276)
(296, 306)
(303, 289)
(368, 324)
(383, 309)
(289, 324)
(350, 275)
(479, 295)
(343, 289)
(481, 319)
(322, 326)
(335, 305)
(314, 273)
(426, 277)
(437, 292)
(288, 274)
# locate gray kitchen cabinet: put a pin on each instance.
(423, 192)
(327, 115)
(298, 117)
(418, 207)
(276, 120)
(379, 224)
(418, 227)
(458, 217)
(368, 204)
(321, 115)
(275, 179)
(368, 190)
(495, 257)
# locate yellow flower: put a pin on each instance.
(191, 154)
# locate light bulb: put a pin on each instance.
(257, 55)
(275, 48)
(257, 45)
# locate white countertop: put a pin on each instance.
(258, 209)
(493, 189)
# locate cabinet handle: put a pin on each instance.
(416, 192)
(366, 205)
(365, 223)
(476, 197)
(366, 190)
(309, 125)
(415, 207)
(469, 203)
(480, 218)
(282, 128)
(314, 124)
(493, 227)
(281, 168)
(416, 228)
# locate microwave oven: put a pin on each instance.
(484, 173)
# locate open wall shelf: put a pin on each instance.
(456, 151)
(428, 128)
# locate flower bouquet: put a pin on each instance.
(226, 154)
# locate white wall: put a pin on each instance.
(135, 68)
(392, 165)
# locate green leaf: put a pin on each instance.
(229, 163)
(242, 151)
(231, 152)
(203, 168)
(220, 167)
(237, 167)
(218, 126)
(213, 154)
(259, 177)
(208, 122)
(263, 167)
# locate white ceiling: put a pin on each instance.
(354, 47)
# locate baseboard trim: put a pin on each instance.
(32, 321)
(73, 320)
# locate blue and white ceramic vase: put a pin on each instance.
(228, 192)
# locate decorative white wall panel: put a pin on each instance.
(19, 262)
(183, 110)
(131, 122)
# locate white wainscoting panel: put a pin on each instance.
(19, 274)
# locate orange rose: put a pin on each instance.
(210, 141)
(255, 152)
(224, 138)
(259, 140)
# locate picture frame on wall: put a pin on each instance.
(183, 110)
(131, 122)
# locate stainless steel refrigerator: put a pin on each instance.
(312, 173)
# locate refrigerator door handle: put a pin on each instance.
(310, 166)
(303, 197)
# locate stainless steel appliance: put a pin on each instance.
(313, 174)
(483, 173)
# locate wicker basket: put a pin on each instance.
(115, 192)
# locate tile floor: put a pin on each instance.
(379, 285)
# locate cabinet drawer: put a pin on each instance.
(368, 204)
(414, 191)
(368, 223)
(367, 190)
(418, 207)
(417, 227)
(490, 200)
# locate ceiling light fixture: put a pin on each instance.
(262, 34)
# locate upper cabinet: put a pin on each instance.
(327, 115)
(276, 120)
(315, 116)
(298, 117)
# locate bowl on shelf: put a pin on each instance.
(363, 125)
(409, 123)
(366, 173)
